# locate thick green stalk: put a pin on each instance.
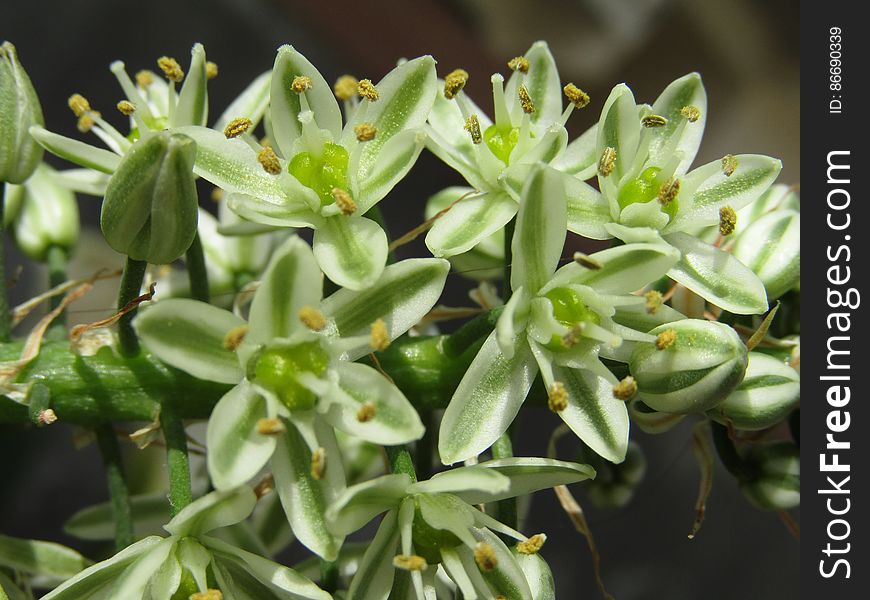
(119, 494)
(180, 494)
(5, 314)
(506, 290)
(196, 271)
(131, 286)
(507, 508)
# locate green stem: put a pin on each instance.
(507, 508)
(426, 445)
(131, 286)
(56, 260)
(5, 314)
(329, 576)
(180, 494)
(196, 271)
(506, 290)
(400, 461)
(119, 494)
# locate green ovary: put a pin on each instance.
(570, 310)
(645, 188)
(324, 173)
(428, 540)
(501, 143)
(276, 370)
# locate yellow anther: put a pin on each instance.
(576, 96)
(366, 412)
(584, 260)
(520, 63)
(692, 113)
(654, 301)
(344, 201)
(269, 160)
(170, 68)
(607, 161)
(318, 463)
(270, 427)
(126, 108)
(237, 127)
(625, 389)
(365, 132)
(526, 100)
(485, 557)
(472, 126)
(144, 78)
(79, 104)
(410, 562)
(211, 70)
(210, 594)
(85, 123)
(652, 121)
(217, 194)
(570, 339)
(380, 339)
(557, 397)
(727, 220)
(312, 318)
(532, 545)
(367, 90)
(666, 339)
(454, 82)
(729, 164)
(234, 337)
(345, 87)
(300, 84)
(46, 417)
(669, 191)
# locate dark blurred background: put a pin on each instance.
(747, 53)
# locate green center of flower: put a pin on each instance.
(570, 310)
(501, 142)
(646, 188)
(429, 540)
(186, 587)
(324, 173)
(276, 369)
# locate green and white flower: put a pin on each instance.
(188, 563)
(558, 323)
(435, 522)
(295, 380)
(771, 475)
(320, 174)
(19, 110)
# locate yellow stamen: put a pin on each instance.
(367, 90)
(576, 96)
(557, 397)
(532, 545)
(520, 63)
(485, 557)
(211, 70)
(318, 463)
(312, 318)
(380, 336)
(345, 87)
(669, 191)
(234, 337)
(625, 389)
(170, 68)
(570, 339)
(46, 417)
(654, 301)
(472, 126)
(727, 220)
(210, 594)
(217, 194)
(651, 121)
(270, 427)
(454, 82)
(365, 132)
(237, 127)
(584, 260)
(366, 412)
(607, 161)
(269, 160)
(410, 562)
(79, 104)
(526, 100)
(666, 339)
(126, 108)
(344, 201)
(729, 164)
(85, 123)
(144, 78)
(300, 84)
(692, 113)
(266, 485)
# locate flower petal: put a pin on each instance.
(580, 158)
(469, 221)
(213, 511)
(771, 248)
(360, 503)
(75, 151)
(473, 479)
(391, 165)
(588, 210)
(542, 82)
(675, 138)
(351, 251)
(251, 103)
(133, 582)
(374, 577)
(192, 106)
(619, 128)
(36, 557)
(525, 476)
(258, 216)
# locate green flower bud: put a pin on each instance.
(649, 420)
(150, 209)
(769, 392)
(771, 247)
(41, 213)
(775, 478)
(19, 109)
(615, 484)
(692, 366)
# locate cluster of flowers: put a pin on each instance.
(719, 238)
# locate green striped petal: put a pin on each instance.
(213, 511)
(374, 577)
(464, 479)
(75, 151)
(580, 158)
(189, 335)
(542, 82)
(678, 136)
(470, 221)
(524, 476)
(150, 512)
(618, 128)
(351, 251)
(538, 575)
(36, 557)
(775, 484)
(393, 162)
(192, 107)
(360, 503)
(135, 580)
(771, 248)
(588, 210)
(251, 103)
(507, 578)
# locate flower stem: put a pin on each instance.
(196, 271)
(5, 315)
(180, 494)
(131, 285)
(328, 575)
(116, 478)
(56, 259)
(507, 508)
(400, 461)
(506, 290)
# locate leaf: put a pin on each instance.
(393, 162)
(678, 136)
(351, 251)
(251, 103)
(192, 107)
(374, 577)
(486, 401)
(469, 221)
(526, 476)
(75, 151)
(360, 503)
(213, 511)
(40, 558)
(189, 335)
(150, 512)
(717, 276)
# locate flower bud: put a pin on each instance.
(768, 393)
(771, 247)
(775, 477)
(19, 109)
(692, 366)
(41, 213)
(649, 420)
(150, 209)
